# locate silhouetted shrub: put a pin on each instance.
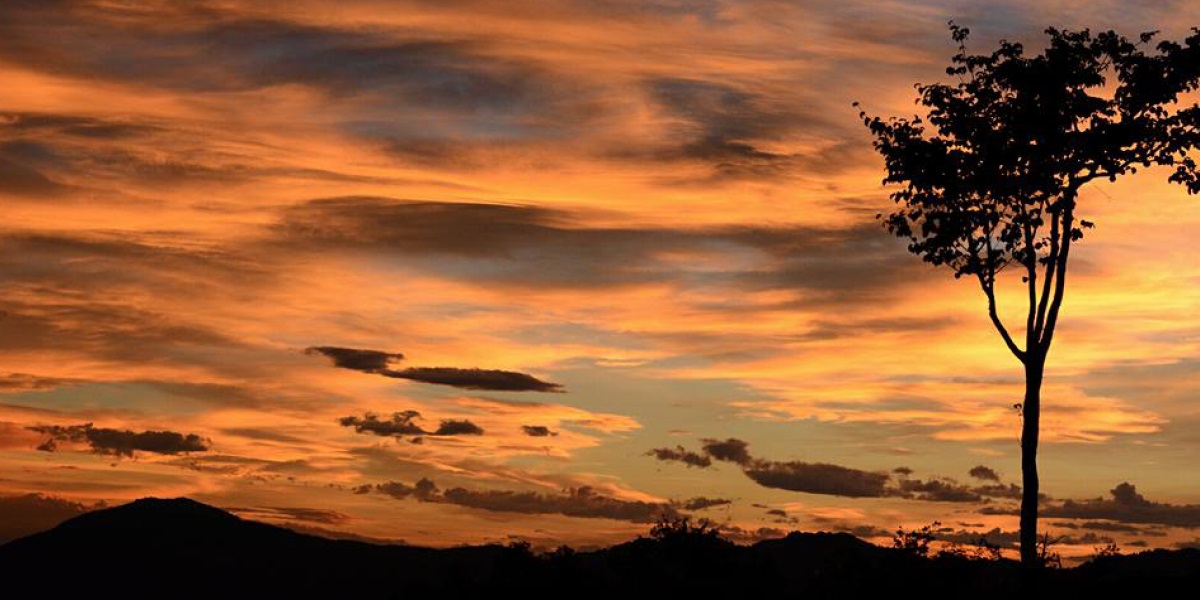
(561, 553)
(1046, 556)
(1110, 549)
(669, 528)
(915, 541)
(981, 549)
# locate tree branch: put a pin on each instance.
(1068, 221)
(1031, 283)
(1051, 264)
(990, 292)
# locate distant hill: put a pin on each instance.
(155, 548)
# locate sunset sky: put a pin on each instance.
(620, 256)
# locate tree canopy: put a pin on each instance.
(990, 177)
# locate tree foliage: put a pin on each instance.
(990, 177)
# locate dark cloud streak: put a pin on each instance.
(120, 442)
(475, 379)
(378, 363)
(367, 361)
(403, 424)
(529, 246)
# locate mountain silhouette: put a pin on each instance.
(180, 548)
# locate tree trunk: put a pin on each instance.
(1032, 413)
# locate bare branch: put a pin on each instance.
(1068, 221)
(990, 292)
(1051, 270)
(1031, 283)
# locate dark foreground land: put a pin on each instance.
(180, 548)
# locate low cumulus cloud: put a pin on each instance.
(681, 454)
(400, 424)
(935, 490)
(458, 427)
(859, 530)
(538, 431)
(797, 476)
(748, 536)
(995, 537)
(1126, 505)
(836, 480)
(119, 442)
(1010, 491)
(425, 489)
(582, 502)
(379, 363)
(729, 450)
(403, 424)
(984, 473)
(702, 502)
(1008, 539)
(818, 478)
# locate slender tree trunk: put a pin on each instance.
(1032, 412)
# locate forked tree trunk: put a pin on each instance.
(1032, 412)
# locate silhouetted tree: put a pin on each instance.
(990, 179)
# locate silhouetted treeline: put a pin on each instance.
(184, 549)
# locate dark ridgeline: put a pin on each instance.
(991, 179)
(180, 548)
